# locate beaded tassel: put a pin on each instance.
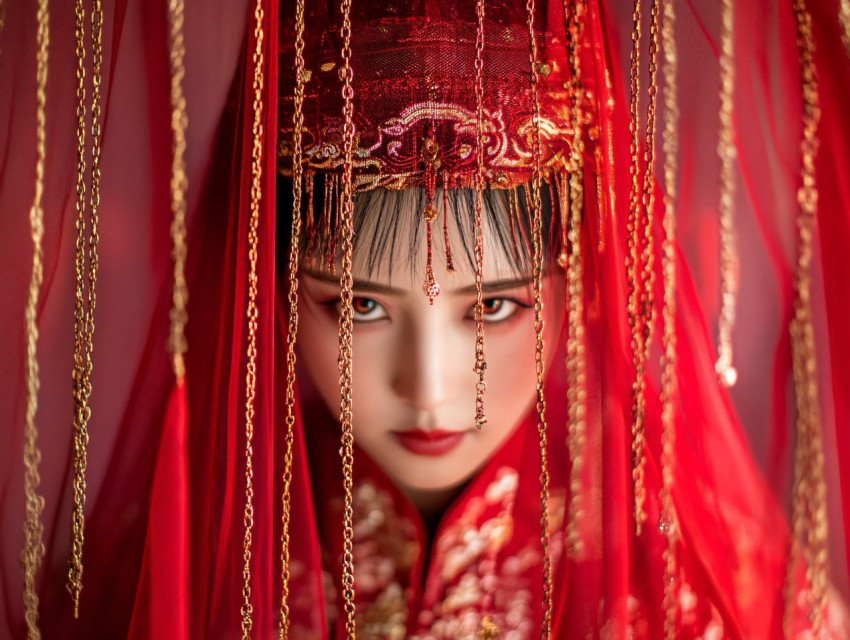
(431, 162)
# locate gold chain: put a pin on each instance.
(639, 261)
(291, 335)
(179, 185)
(632, 261)
(539, 364)
(668, 338)
(809, 517)
(346, 322)
(647, 307)
(252, 315)
(844, 19)
(728, 246)
(480, 360)
(33, 550)
(84, 306)
(576, 392)
(79, 302)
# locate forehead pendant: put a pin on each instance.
(431, 163)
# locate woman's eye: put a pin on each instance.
(498, 309)
(367, 309)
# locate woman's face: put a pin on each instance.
(414, 385)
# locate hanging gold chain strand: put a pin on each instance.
(844, 20)
(179, 186)
(576, 392)
(632, 264)
(670, 142)
(346, 323)
(33, 550)
(728, 245)
(292, 332)
(809, 518)
(252, 315)
(647, 306)
(79, 293)
(539, 365)
(480, 360)
(85, 304)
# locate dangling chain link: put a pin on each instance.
(252, 315)
(84, 305)
(632, 262)
(668, 524)
(639, 262)
(179, 186)
(292, 330)
(539, 363)
(809, 517)
(33, 550)
(480, 360)
(346, 323)
(576, 391)
(728, 245)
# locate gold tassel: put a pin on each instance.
(292, 331)
(480, 360)
(844, 20)
(252, 314)
(809, 517)
(576, 392)
(33, 550)
(85, 294)
(639, 264)
(431, 161)
(539, 362)
(725, 368)
(668, 524)
(179, 185)
(450, 265)
(346, 325)
(335, 205)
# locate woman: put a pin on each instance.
(446, 539)
(499, 451)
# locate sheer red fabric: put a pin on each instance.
(166, 478)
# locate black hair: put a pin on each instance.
(390, 223)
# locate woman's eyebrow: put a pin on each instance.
(359, 285)
(495, 286)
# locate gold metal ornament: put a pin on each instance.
(670, 146)
(573, 214)
(726, 372)
(252, 313)
(480, 360)
(809, 520)
(179, 186)
(539, 362)
(33, 550)
(292, 330)
(85, 299)
(346, 325)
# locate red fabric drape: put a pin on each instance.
(166, 464)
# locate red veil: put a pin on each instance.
(166, 484)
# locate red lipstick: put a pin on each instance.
(429, 443)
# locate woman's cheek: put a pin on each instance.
(510, 373)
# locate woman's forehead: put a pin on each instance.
(391, 236)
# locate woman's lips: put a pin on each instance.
(429, 443)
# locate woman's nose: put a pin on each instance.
(423, 368)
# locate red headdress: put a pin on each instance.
(414, 81)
